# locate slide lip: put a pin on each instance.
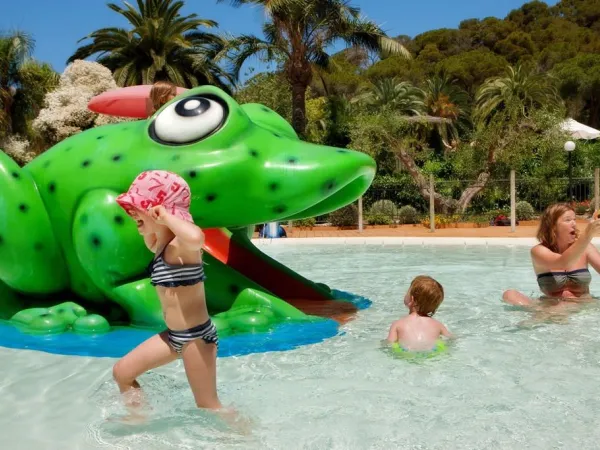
(130, 101)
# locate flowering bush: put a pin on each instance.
(581, 207)
(65, 112)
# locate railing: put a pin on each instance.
(498, 197)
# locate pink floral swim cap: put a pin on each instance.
(158, 187)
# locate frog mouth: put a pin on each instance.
(336, 195)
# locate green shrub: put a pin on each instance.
(524, 211)
(383, 208)
(379, 219)
(305, 223)
(408, 215)
(344, 217)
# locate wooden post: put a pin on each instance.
(596, 189)
(513, 201)
(360, 214)
(290, 226)
(431, 205)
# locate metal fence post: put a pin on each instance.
(431, 205)
(513, 201)
(596, 189)
(360, 214)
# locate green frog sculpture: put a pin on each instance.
(71, 261)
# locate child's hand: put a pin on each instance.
(159, 214)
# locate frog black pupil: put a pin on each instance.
(193, 106)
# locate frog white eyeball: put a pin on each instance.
(188, 120)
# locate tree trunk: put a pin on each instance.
(299, 107)
(443, 204)
(475, 188)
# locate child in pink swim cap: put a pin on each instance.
(159, 201)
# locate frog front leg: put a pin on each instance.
(31, 260)
(115, 257)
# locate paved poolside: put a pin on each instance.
(527, 231)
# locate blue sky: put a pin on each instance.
(58, 25)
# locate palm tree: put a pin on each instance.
(297, 34)
(401, 96)
(161, 45)
(23, 82)
(515, 94)
(445, 100)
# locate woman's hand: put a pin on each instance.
(593, 228)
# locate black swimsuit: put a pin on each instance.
(174, 275)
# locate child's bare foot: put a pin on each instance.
(239, 423)
(132, 418)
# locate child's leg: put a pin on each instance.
(516, 298)
(200, 362)
(153, 352)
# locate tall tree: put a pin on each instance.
(298, 33)
(23, 82)
(161, 44)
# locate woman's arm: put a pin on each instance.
(543, 256)
(593, 257)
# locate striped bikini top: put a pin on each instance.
(554, 281)
(173, 275)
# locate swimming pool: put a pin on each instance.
(500, 386)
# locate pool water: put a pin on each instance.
(501, 385)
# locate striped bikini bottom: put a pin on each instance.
(206, 331)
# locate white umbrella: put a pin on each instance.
(579, 130)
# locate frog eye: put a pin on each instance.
(188, 120)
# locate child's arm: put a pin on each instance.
(444, 332)
(393, 333)
(187, 232)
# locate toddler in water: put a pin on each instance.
(419, 331)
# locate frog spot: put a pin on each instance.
(292, 160)
(234, 289)
(96, 241)
(211, 198)
(86, 163)
(280, 209)
(84, 219)
(254, 153)
(192, 174)
(116, 158)
(99, 137)
(329, 186)
(273, 186)
(176, 158)
(52, 187)
(23, 207)
(119, 220)
(46, 164)
(15, 175)
(342, 151)
(1, 239)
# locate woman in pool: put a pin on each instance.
(561, 259)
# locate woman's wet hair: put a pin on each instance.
(159, 95)
(546, 233)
